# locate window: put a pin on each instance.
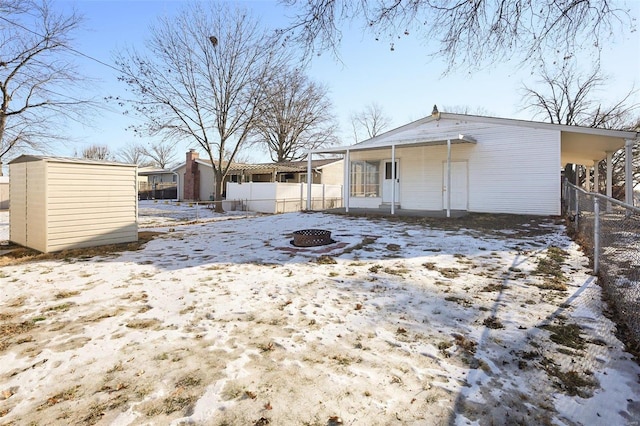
(365, 179)
(387, 170)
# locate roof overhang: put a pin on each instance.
(431, 141)
(585, 148)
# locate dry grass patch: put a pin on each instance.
(18, 254)
(66, 294)
(140, 324)
(566, 335)
(550, 268)
(570, 382)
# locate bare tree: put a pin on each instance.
(467, 110)
(295, 117)
(161, 153)
(201, 80)
(132, 153)
(37, 76)
(568, 96)
(466, 32)
(371, 121)
(565, 95)
(97, 152)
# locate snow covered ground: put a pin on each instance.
(223, 321)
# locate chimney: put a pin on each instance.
(191, 179)
(435, 110)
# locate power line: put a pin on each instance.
(77, 52)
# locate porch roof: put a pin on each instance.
(578, 144)
(432, 140)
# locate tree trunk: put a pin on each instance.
(219, 184)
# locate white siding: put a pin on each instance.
(511, 169)
(207, 179)
(333, 173)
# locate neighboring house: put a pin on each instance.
(156, 183)
(447, 162)
(196, 178)
(4, 192)
(153, 175)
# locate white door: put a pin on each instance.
(459, 186)
(388, 181)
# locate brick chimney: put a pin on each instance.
(191, 188)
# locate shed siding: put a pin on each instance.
(36, 206)
(90, 205)
(18, 206)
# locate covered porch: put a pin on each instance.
(382, 186)
(582, 146)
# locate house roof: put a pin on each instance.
(580, 145)
(26, 158)
(147, 171)
(284, 167)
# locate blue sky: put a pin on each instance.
(405, 82)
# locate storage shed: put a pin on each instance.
(64, 203)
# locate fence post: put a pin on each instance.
(577, 209)
(596, 235)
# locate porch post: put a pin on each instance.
(346, 192)
(577, 176)
(609, 192)
(596, 176)
(393, 177)
(309, 180)
(628, 170)
(448, 177)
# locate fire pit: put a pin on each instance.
(311, 238)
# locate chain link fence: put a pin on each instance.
(610, 232)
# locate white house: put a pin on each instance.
(447, 162)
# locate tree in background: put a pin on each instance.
(161, 153)
(37, 76)
(97, 152)
(295, 117)
(202, 80)
(132, 153)
(370, 122)
(465, 32)
(565, 95)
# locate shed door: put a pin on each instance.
(388, 182)
(459, 186)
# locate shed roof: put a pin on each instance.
(27, 158)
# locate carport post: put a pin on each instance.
(596, 176)
(596, 235)
(393, 177)
(628, 167)
(448, 177)
(309, 180)
(609, 178)
(347, 181)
